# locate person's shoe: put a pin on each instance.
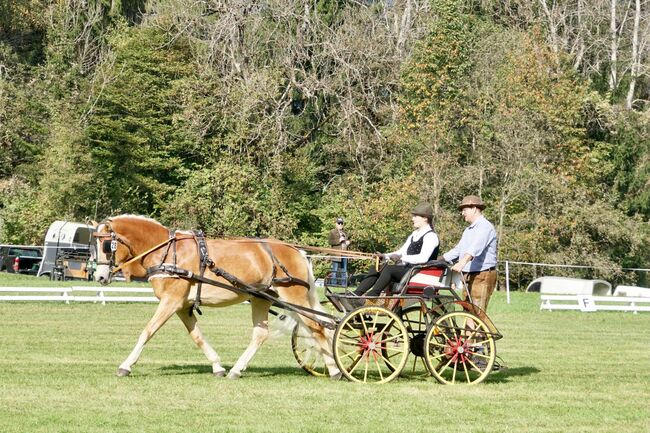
(357, 302)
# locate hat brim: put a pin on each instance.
(480, 206)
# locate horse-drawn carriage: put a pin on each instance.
(423, 315)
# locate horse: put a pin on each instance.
(136, 245)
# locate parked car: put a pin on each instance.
(20, 259)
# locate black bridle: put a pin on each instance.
(109, 243)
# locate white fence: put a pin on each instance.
(77, 294)
(589, 303)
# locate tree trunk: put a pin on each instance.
(636, 58)
(552, 25)
(613, 53)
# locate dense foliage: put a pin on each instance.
(272, 118)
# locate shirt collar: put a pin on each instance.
(422, 230)
(471, 226)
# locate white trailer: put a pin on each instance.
(64, 236)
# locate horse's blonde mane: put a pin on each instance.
(138, 217)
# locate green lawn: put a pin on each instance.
(568, 372)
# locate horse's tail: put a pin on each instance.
(314, 299)
(313, 292)
(287, 320)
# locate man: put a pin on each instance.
(339, 240)
(476, 252)
(420, 247)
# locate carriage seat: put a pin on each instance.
(419, 277)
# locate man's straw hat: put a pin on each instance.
(471, 201)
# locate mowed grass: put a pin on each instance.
(567, 372)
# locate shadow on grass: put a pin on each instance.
(504, 376)
(176, 369)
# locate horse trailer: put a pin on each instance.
(68, 242)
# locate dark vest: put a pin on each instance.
(416, 247)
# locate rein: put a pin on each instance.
(333, 251)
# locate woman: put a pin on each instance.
(420, 247)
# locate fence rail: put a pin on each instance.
(594, 303)
(77, 294)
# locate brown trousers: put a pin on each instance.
(481, 286)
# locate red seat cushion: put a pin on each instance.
(424, 278)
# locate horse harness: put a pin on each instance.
(205, 262)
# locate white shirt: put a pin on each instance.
(429, 244)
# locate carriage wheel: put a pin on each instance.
(459, 349)
(415, 321)
(371, 345)
(307, 352)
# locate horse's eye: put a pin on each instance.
(106, 246)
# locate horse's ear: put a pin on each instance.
(93, 223)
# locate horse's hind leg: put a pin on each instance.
(260, 313)
(322, 335)
(192, 326)
(165, 309)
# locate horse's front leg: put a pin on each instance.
(192, 326)
(171, 300)
(260, 314)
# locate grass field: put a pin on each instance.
(568, 372)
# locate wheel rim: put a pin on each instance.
(459, 349)
(371, 345)
(307, 352)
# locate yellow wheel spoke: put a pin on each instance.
(391, 338)
(346, 341)
(349, 354)
(449, 326)
(435, 343)
(395, 349)
(381, 374)
(445, 336)
(390, 322)
(374, 320)
(365, 371)
(447, 364)
(453, 374)
(475, 366)
(466, 373)
(390, 364)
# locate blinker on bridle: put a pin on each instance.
(109, 246)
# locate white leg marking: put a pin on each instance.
(260, 313)
(192, 326)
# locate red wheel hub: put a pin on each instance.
(458, 350)
(368, 345)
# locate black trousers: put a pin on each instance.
(380, 280)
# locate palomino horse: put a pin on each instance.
(137, 244)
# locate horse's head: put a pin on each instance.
(119, 245)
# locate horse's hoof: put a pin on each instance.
(221, 373)
(337, 376)
(234, 376)
(122, 372)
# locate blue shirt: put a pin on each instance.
(479, 240)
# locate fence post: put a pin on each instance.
(507, 282)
